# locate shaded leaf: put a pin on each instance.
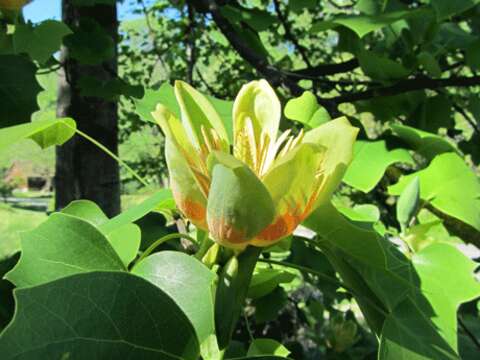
(447, 8)
(186, 280)
(99, 315)
(18, 90)
(82, 48)
(40, 41)
(265, 280)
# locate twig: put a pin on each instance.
(289, 35)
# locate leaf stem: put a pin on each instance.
(161, 241)
(110, 153)
(327, 279)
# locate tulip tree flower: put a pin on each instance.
(259, 192)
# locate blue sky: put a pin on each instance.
(39, 10)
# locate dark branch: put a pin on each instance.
(419, 83)
(259, 62)
(327, 69)
(289, 35)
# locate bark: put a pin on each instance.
(83, 171)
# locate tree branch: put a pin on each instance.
(289, 35)
(418, 83)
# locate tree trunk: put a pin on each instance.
(83, 171)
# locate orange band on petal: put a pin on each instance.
(283, 226)
(225, 233)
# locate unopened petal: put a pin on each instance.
(239, 205)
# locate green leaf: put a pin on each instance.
(434, 113)
(40, 41)
(82, 48)
(447, 8)
(61, 246)
(445, 290)
(407, 203)
(110, 90)
(45, 133)
(450, 186)
(160, 200)
(18, 90)
(370, 161)
(188, 282)
(125, 239)
(265, 280)
(306, 110)
(381, 68)
(429, 64)
(99, 315)
(86, 210)
(258, 20)
(267, 347)
(427, 144)
(406, 293)
(473, 55)
(365, 24)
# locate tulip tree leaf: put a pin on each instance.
(447, 8)
(407, 203)
(381, 68)
(61, 246)
(445, 290)
(306, 110)
(45, 133)
(82, 48)
(371, 159)
(365, 24)
(186, 280)
(98, 315)
(412, 319)
(450, 186)
(265, 280)
(425, 143)
(41, 41)
(161, 200)
(125, 239)
(18, 90)
(267, 347)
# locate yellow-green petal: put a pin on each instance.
(239, 205)
(256, 118)
(337, 137)
(189, 185)
(291, 182)
(200, 119)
